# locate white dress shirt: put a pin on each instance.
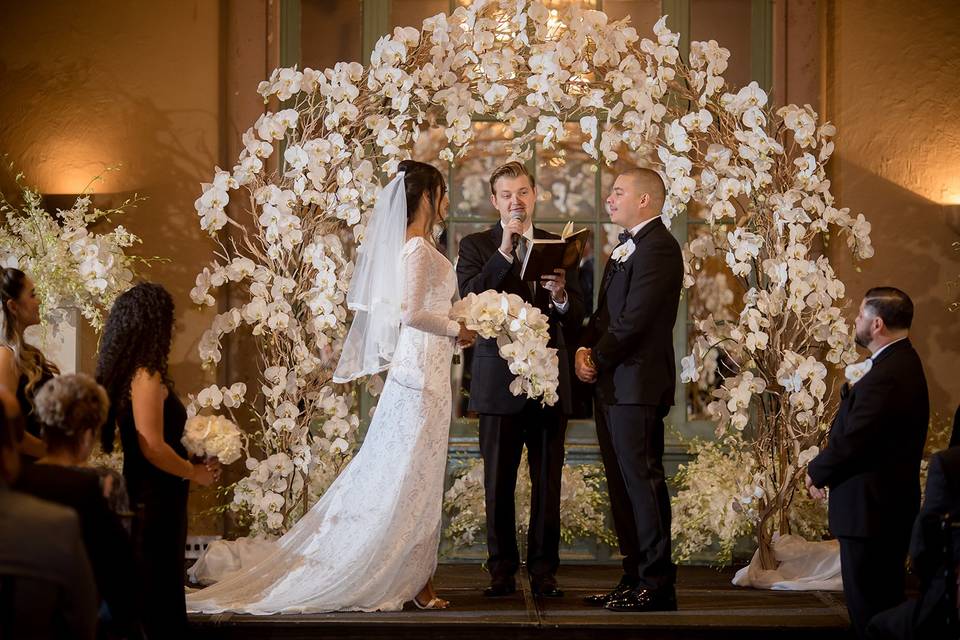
(880, 350)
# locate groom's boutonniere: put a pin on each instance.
(623, 251)
(854, 372)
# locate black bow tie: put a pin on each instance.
(625, 235)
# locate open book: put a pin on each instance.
(546, 254)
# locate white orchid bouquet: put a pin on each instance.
(70, 264)
(719, 494)
(213, 436)
(522, 332)
(583, 505)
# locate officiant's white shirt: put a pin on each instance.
(528, 234)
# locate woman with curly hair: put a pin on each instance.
(23, 368)
(132, 367)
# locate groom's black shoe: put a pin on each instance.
(546, 587)
(643, 600)
(601, 599)
(500, 588)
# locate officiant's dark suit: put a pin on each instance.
(508, 422)
(630, 336)
(871, 465)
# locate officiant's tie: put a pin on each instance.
(521, 249)
(521, 254)
(624, 236)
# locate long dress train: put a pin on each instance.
(370, 543)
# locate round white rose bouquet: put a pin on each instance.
(522, 333)
(213, 437)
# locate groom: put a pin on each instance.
(491, 259)
(627, 354)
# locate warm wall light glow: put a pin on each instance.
(69, 166)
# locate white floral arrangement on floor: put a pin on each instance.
(70, 265)
(718, 498)
(583, 505)
(522, 332)
(213, 437)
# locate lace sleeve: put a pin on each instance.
(417, 272)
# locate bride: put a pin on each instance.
(370, 543)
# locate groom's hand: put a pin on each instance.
(815, 492)
(584, 365)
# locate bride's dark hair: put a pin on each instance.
(420, 178)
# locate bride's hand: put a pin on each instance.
(467, 337)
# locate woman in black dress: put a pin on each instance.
(23, 368)
(133, 369)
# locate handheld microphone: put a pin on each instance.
(515, 240)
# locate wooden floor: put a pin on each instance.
(710, 608)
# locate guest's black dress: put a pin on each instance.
(160, 527)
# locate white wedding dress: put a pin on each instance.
(370, 543)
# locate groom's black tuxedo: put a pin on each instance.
(631, 332)
(509, 422)
(631, 338)
(872, 465)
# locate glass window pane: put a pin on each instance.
(470, 188)
(461, 371)
(330, 32)
(566, 179)
(714, 294)
(428, 145)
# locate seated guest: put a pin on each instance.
(72, 408)
(872, 461)
(47, 586)
(927, 616)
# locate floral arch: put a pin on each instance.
(755, 174)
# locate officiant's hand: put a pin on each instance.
(815, 492)
(512, 228)
(466, 337)
(584, 365)
(556, 285)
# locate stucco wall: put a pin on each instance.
(892, 77)
(86, 86)
(136, 84)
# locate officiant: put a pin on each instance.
(492, 259)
